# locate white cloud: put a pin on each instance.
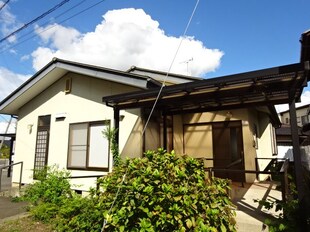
(9, 81)
(124, 38)
(25, 57)
(305, 100)
(59, 36)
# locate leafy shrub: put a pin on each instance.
(51, 186)
(160, 192)
(47, 194)
(163, 192)
(79, 214)
(110, 134)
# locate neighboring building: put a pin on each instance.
(302, 115)
(284, 135)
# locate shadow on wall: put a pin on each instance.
(287, 153)
(305, 157)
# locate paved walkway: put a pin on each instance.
(250, 215)
(11, 210)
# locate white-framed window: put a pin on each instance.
(88, 149)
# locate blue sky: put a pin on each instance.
(224, 37)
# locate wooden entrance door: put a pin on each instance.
(228, 149)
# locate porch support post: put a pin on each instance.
(11, 154)
(165, 131)
(296, 150)
(297, 163)
(116, 125)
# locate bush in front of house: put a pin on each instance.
(160, 192)
(164, 192)
(47, 193)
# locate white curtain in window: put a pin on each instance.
(98, 155)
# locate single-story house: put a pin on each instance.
(228, 121)
(61, 117)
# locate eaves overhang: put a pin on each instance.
(56, 69)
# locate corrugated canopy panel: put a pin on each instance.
(265, 87)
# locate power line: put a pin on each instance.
(50, 27)
(44, 24)
(34, 20)
(4, 4)
(172, 62)
(159, 93)
(72, 16)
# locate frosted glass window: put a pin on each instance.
(98, 147)
(88, 148)
(78, 157)
(79, 134)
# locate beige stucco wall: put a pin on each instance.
(266, 143)
(194, 144)
(83, 104)
(131, 140)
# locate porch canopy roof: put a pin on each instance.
(266, 87)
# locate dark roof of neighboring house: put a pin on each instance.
(285, 129)
(160, 75)
(267, 87)
(284, 134)
(56, 69)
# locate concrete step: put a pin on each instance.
(5, 181)
(14, 191)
